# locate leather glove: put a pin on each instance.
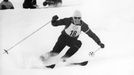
(55, 17)
(101, 45)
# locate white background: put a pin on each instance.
(111, 20)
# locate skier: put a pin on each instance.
(54, 3)
(6, 4)
(73, 27)
(30, 4)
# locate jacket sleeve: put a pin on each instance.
(89, 32)
(59, 22)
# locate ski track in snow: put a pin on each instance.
(112, 21)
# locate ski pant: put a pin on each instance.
(66, 40)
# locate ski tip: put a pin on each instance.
(51, 66)
(84, 63)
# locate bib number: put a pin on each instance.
(73, 33)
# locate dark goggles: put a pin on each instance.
(77, 17)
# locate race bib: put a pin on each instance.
(73, 30)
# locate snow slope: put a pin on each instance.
(112, 21)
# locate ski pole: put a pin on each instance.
(93, 52)
(6, 50)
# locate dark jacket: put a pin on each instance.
(84, 27)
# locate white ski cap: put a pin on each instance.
(77, 13)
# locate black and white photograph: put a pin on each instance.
(66, 37)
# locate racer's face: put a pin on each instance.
(77, 20)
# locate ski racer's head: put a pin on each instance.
(77, 17)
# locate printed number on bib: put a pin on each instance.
(73, 33)
(73, 30)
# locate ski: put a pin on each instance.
(51, 66)
(84, 63)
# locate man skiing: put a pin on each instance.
(6, 4)
(73, 27)
(54, 3)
